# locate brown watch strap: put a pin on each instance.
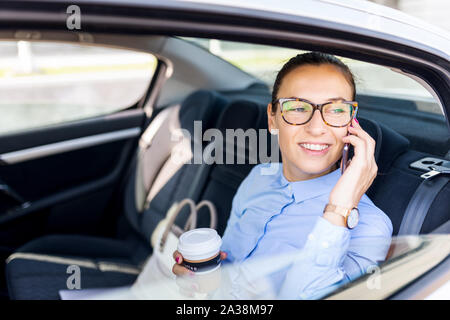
(336, 209)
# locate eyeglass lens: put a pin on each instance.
(335, 114)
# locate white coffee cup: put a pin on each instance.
(200, 249)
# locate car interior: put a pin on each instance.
(97, 205)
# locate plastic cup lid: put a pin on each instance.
(199, 241)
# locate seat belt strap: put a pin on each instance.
(144, 175)
(422, 200)
(443, 228)
(199, 182)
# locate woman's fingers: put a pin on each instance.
(223, 255)
(364, 155)
(371, 144)
(180, 270)
(355, 182)
(177, 257)
(359, 131)
(359, 147)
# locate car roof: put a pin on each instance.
(357, 16)
(360, 14)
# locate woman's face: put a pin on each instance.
(318, 84)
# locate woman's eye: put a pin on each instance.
(337, 109)
(296, 107)
(291, 106)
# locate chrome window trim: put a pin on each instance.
(102, 266)
(67, 145)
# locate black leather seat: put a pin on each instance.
(38, 270)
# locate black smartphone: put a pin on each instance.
(347, 151)
(344, 158)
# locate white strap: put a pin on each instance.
(191, 222)
(212, 214)
(172, 218)
(149, 134)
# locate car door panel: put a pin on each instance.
(64, 174)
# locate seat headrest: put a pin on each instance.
(201, 105)
(244, 114)
(389, 144)
(241, 114)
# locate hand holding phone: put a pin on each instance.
(355, 181)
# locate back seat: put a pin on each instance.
(224, 178)
(38, 270)
(396, 182)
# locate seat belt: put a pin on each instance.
(420, 203)
(198, 182)
(443, 228)
(145, 143)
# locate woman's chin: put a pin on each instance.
(313, 168)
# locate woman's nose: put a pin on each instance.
(316, 125)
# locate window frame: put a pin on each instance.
(434, 249)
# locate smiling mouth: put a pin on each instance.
(314, 147)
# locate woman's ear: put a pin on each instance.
(273, 129)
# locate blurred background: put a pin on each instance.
(433, 11)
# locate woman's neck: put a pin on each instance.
(292, 173)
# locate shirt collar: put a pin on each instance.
(308, 189)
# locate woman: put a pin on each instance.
(308, 209)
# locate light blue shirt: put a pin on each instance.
(272, 217)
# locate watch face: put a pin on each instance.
(353, 218)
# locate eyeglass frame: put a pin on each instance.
(319, 107)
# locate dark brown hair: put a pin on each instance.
(311, 58)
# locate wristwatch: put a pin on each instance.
(351, 215)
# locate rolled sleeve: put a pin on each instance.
(317, 265)
(327, 243)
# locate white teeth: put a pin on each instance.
(316, 147)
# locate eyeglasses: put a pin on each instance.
(297, 111)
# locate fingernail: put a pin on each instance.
(177, 259)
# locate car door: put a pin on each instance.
(70, 119)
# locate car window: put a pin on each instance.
(408, 259)
(47, 83)
(384, 94)
(265, 61)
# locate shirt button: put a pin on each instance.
(325, 244)
(290, 187)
